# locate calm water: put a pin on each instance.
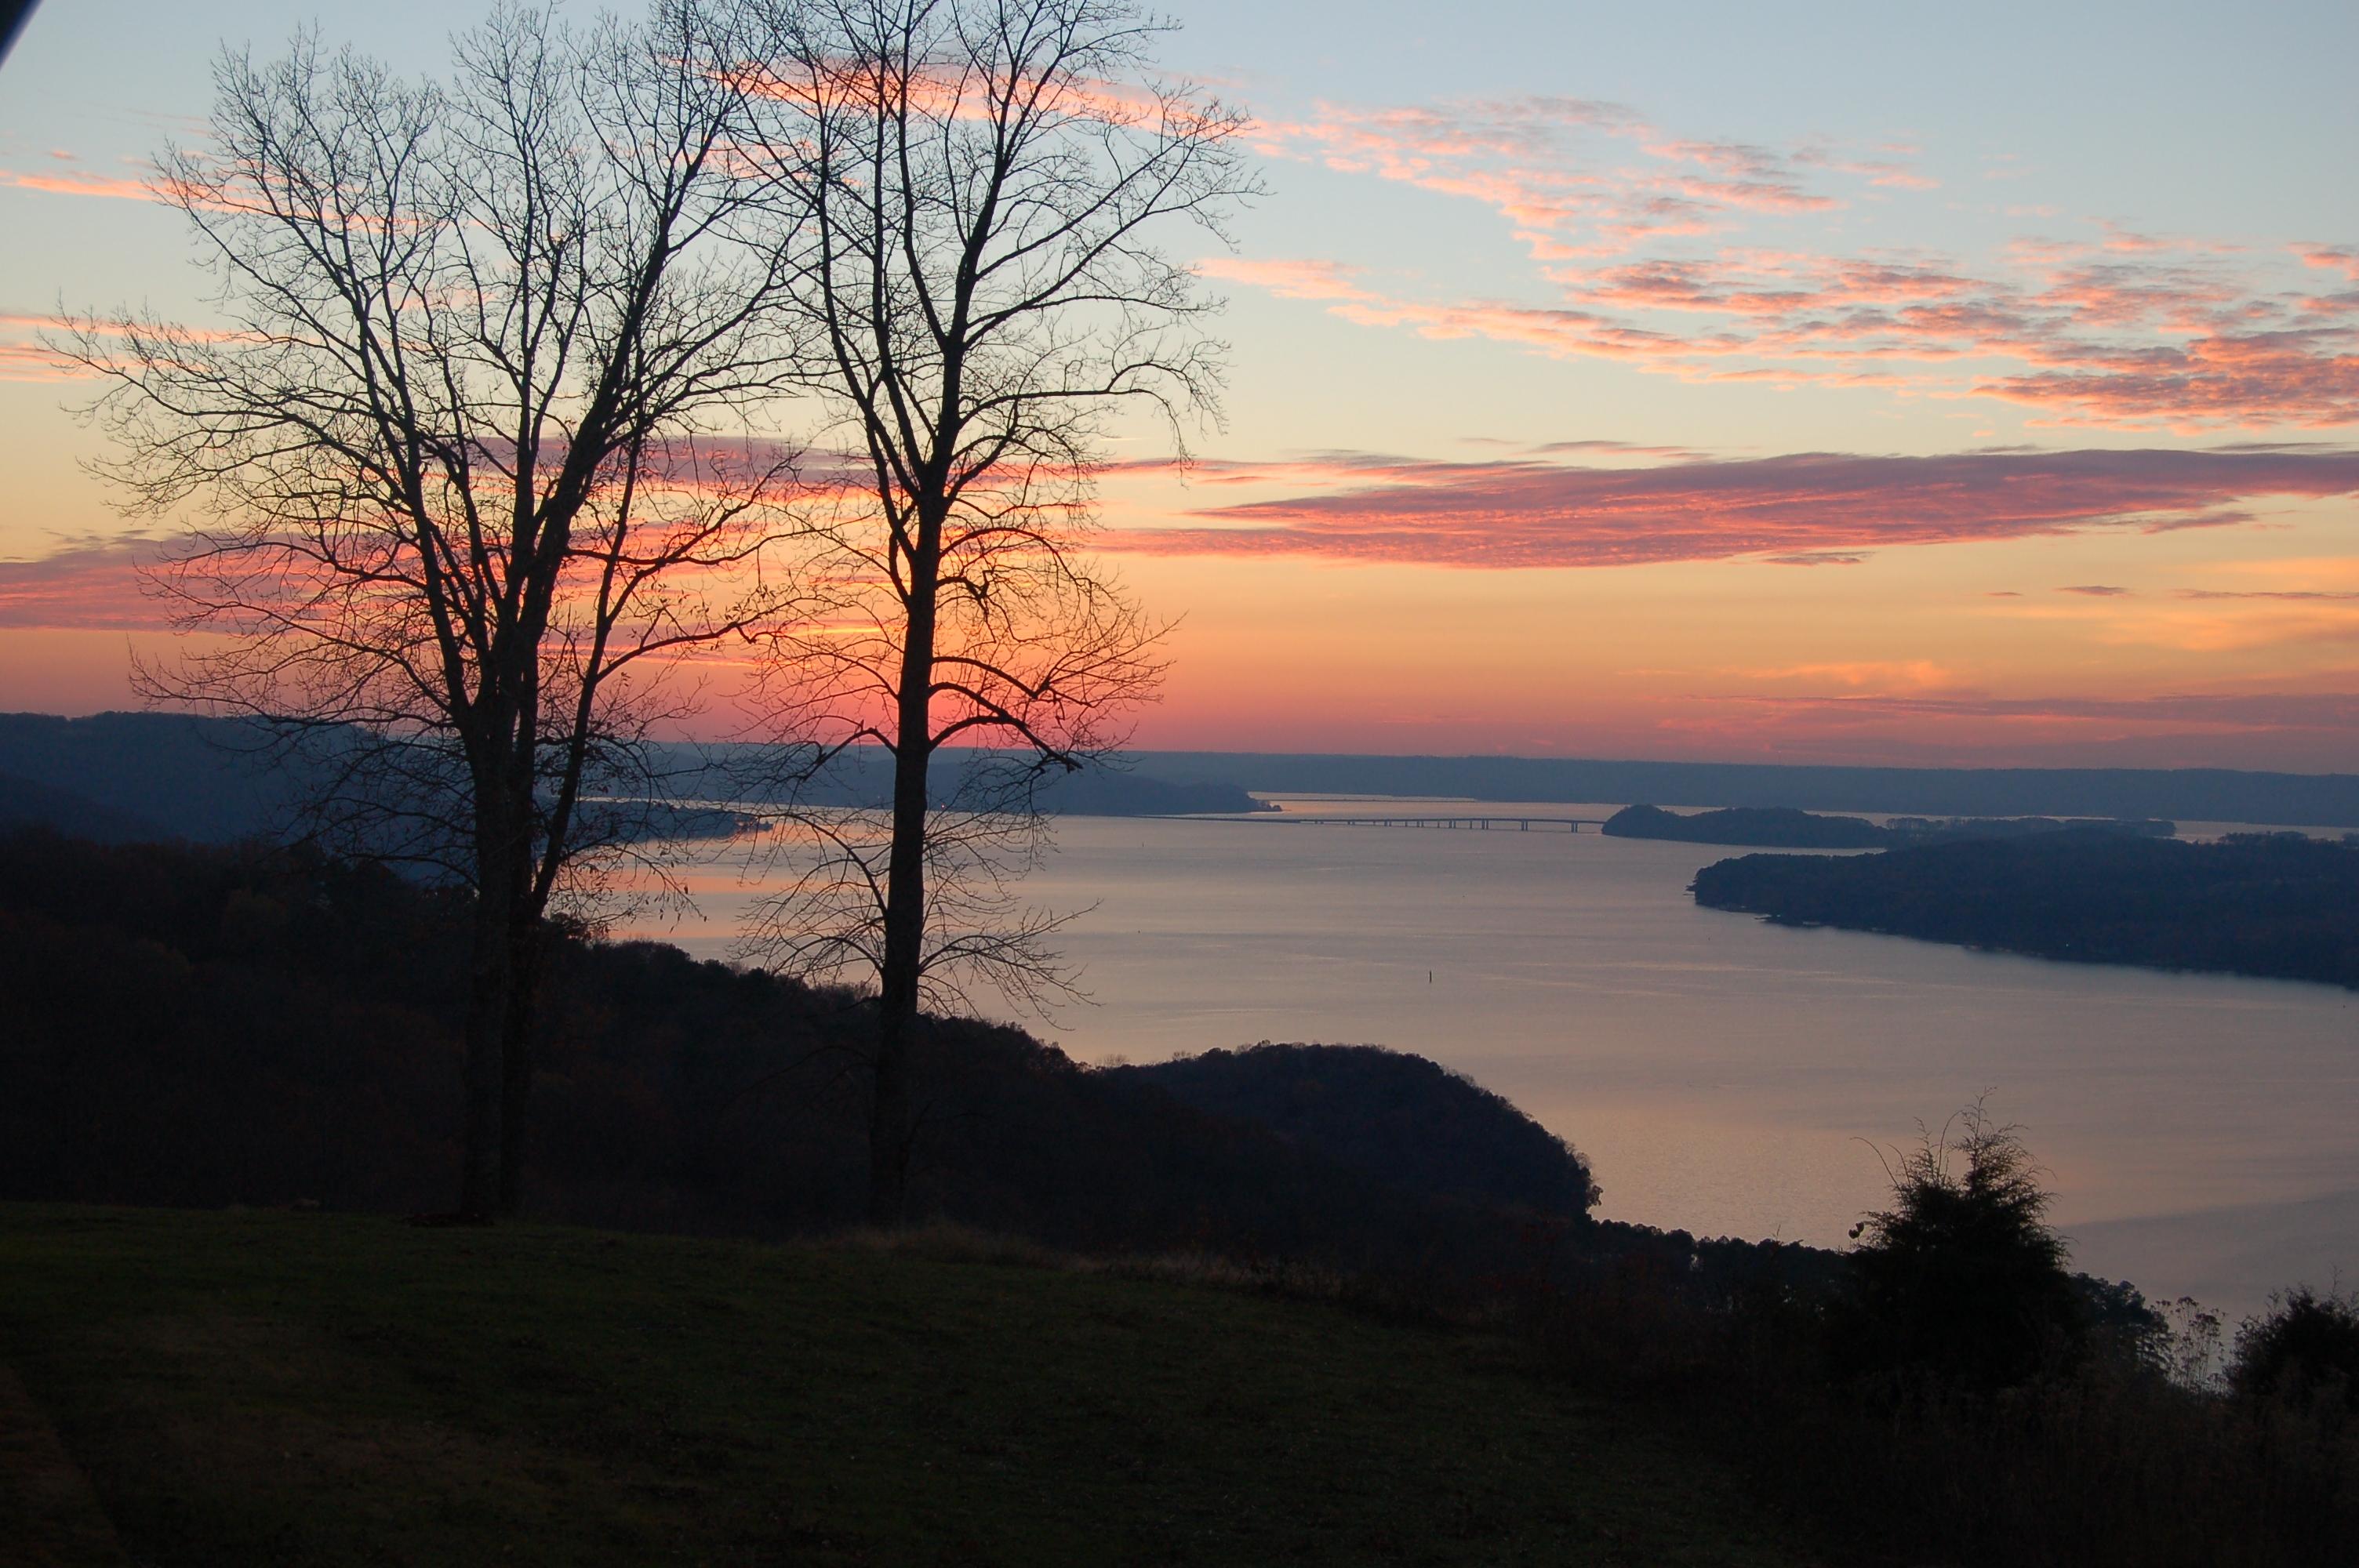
(1723, 1074)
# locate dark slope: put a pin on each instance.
(205, 1025)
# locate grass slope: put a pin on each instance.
(297, 1388)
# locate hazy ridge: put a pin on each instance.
(201, 778)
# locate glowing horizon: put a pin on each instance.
(1590, 397)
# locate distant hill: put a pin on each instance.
(176, 775)
(2185, 795)
(2276, 906)
(170, 775)
(26, 803)
(199, 778)
(1389, 1115)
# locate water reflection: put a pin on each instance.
(1720, 1072)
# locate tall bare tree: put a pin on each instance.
(985, 185)
(474, 449)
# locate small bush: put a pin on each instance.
(1962, 1277)
(2304, 1349)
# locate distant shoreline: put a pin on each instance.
(187, 774)
(2182, 794)
(2267, 906)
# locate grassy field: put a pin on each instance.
(268, 1388)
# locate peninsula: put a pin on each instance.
(2276, 905)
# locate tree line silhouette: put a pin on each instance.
(196, 1025)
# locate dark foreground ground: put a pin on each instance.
(264, 1387)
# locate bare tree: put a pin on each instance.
(984, 184)
(476, 449)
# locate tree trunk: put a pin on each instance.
(522, 1012)
(897, 1004)
(490, 980)
(889, 1132)
(888, 1122)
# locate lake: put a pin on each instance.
(1723, 1075)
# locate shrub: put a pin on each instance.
(1962, 1277)
(2304, 1349)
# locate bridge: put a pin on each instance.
(1463, 824)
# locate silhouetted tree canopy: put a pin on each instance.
(1781, 827)
(2304, 1348)
(1390, 1116)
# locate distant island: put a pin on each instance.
(2274, 905)
(1783, 827)
(1772, 826)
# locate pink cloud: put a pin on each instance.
(80, 184)
(32, 363)
(90, 585)
(2249, 379)
(1291, 279)
(2114, 343)
(1742, 176)
(1525, 513)
(2340, 258)
(2127, 329)
(1577, 175)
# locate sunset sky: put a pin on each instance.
(1802, 383)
